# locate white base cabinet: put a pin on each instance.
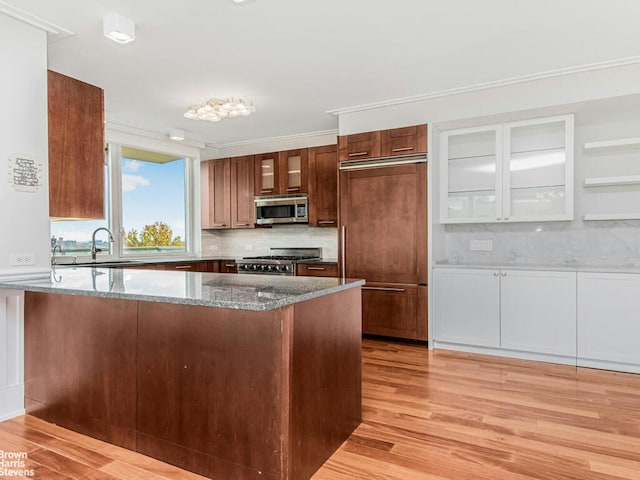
(467, 307)
(518, 313)
(609, 321)
(538, 311)
(11, 354)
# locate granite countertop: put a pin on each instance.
(545, 267)
(241, 292)
(65, 261)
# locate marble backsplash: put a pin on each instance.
(606, 243)
(252, 242)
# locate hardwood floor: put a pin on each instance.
(426, 415)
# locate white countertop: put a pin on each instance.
(549, 268)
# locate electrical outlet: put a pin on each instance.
(213, 248)
(248, 248)
(22, 259)
(481, 245)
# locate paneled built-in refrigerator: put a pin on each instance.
(383, 220)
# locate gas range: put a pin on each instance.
(280, 261)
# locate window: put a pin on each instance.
(154, 202)
(148, 208)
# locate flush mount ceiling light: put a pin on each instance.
(119, 28)
(216, 109)
(176, 134)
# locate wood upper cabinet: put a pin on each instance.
(267, 174)
(243, 210)
(216, 201)
(293, 171)
(323, 186)
(76, 148)
(383, 143)
(280, 173)
(227, 193)
(359, 146)
(403, 141)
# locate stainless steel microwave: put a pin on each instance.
(282, 209)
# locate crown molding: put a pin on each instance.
(488, 85)
(55, 32)
(271, 139)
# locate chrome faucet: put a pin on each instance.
(95, 250)
(53, 252)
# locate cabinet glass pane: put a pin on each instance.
(543, 136)
(478, 204)
(474, 173)
(472, 144)
(268, 180)
(537, 169)
(294, 172)
(537, 202)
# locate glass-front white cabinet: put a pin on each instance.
(512, 172)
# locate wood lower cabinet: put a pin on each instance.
(80, 364)
(227, 193)
(76, 148)
(395, 310)
(317, 270)
(323, 186)
(403, 141)
(228, 267)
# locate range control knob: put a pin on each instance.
(254, 267)
(285, 268)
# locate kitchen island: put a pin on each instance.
(229, 376)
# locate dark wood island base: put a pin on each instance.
(229, 394)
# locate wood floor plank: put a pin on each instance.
(427, 415)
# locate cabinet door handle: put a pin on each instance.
(326, 222)
(242, 224)
(316, 268)
(385, 289)
(506, 218)
(219, 224)
(404, 149)
(504, 274)
(293, 189)
(495, 274)
(358, 154)
(230, 265)
(183, 267)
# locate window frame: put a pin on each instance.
(113, 200)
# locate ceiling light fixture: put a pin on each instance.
(176, 134)
(216, 109)
(119, 28)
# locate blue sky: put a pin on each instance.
(150, 192)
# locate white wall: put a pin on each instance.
(24, 216)
(545, 92)
(579, 242)
(235, 243)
